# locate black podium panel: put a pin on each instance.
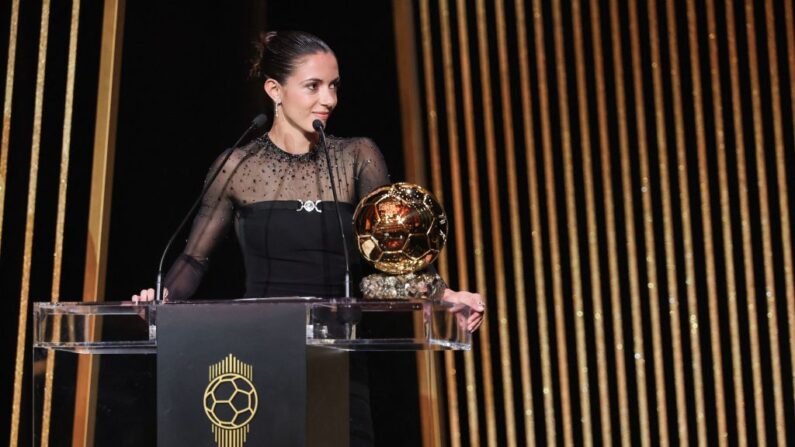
(241, 374)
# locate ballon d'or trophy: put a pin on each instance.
(400, 229)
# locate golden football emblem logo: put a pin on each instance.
(230, 401)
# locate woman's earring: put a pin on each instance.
(276, 110)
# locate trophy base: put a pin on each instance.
(428, 286)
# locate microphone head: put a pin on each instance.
(259, 121)
(318, 125)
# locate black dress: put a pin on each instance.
(281, 206)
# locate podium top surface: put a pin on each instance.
(126, 327)
(124, 306)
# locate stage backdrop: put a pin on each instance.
(617, 175)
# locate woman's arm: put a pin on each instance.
(210, 225)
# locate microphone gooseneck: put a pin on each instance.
(318, 125)
(257, 123)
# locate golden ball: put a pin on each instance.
(400, 228)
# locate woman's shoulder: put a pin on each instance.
(355, 144)
(234, 156)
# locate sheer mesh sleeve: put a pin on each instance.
(210, 225)
(371, 169)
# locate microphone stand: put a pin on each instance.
(349, 314)
(318, 125)
(259, 122)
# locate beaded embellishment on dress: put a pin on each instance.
(266, 142)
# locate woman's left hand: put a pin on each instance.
(475, 303)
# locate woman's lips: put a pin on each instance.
(321, 115)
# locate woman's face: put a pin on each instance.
(309, 93)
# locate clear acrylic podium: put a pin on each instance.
(228, 373)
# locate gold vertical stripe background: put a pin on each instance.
(737, 376)
(571, 226)
(473, 424)
(61, 215)
(30, 220)
(453, 423)
(518, 250)
(743, 193)
(5, 137)
(592, 236)
(767, 249)
(474, 187)
(563, 389)
(652, 285)
(703, 183)
(516, 247)
(535, 234)
(750, 286)
(610, 223)
(789, 269)
(509, 419)
(651, 114)
(638, 352)
(670, 263)
(728, 257)
(99, 208)
(411, 123)
(4, 146)
(475, 213)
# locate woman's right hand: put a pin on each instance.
(148, 295)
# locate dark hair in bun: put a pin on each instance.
(277, 54)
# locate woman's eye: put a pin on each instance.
(312, 86)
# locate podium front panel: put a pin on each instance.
(237, 375)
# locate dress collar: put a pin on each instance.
(280, 153)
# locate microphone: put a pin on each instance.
(257, 123)
(318, 125)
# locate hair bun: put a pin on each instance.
(266, 37)
(259, 47)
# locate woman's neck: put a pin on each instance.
(290, 139)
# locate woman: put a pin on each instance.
(277, 193)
